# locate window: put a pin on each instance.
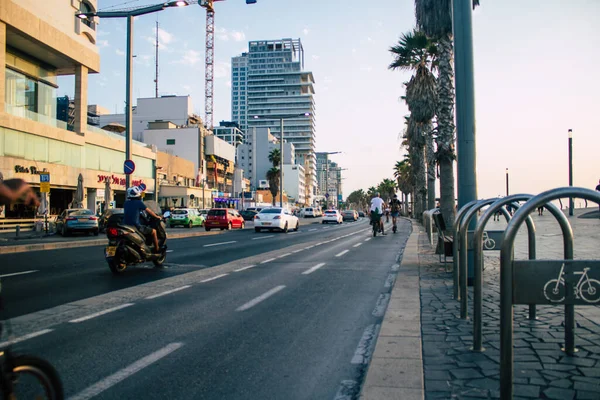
(86, 8)
(170, 141)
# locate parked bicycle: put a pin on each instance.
(24, 376)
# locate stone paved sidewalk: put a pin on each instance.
(541, 370)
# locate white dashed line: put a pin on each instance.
(244, 268)
(260, 298)
(367, 239)
(125, 373)
(25, 337)
(154, 296)
(268, 260)
(169, 251)
(357, 244)
(309, 247)
(341, 253)
(18, 273)
(284, 255)
(297, 251)
(213, 278)
(219, 244)
(314, 229)
(263, 237)
(313, 269)
(94, 315)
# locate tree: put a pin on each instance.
(273, 178)
(357, 197)
(417, 53)
(434, 18)
(387, 189)
(403, 180)
(275, 157)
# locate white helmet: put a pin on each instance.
(134, 192)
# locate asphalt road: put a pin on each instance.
(245, 316)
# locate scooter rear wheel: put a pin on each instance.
(116, 267)
(160, 260)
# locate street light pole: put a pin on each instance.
(571, 204)
(506, 182)
(129, 96)
(281, 162)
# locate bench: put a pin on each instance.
(445, 242)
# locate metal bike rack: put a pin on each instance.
(498, 205)
(455, 244)
(519, 279)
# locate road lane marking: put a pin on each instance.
(357, 244)
(367, 239)
(313, 269)
(291, 233)
(213, 278)
(284, 255)
(99, 313)
(263, 237)
(297, 251)
(342, 253)
(219, 244)
(125, 373)
(154, 296)
(244, 268)
(314, 229)
(389, 282)
(18, 273)
(25, 337)
(169, 251)
(364, 350)
(268, 260)
(260, 298)
(309, 247)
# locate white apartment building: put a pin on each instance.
(294, 183)
(229, 132)
(275, 85)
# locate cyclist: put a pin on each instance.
(132, 208)
(376, 210)
(12, 190)
(395, 205)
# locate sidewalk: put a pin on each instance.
(426, 317)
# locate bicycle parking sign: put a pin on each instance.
(575, 282)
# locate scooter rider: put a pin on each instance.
(395, 206)
(377, 207)
(133, 206)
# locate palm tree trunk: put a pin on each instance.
(420, 199)
(431, 164)
(445, 139)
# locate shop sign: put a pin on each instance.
(115, 180)
(20, 169)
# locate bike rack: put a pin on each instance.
(498, 205)
(518, 279)
(455, 238)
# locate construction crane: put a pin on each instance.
(210, 56)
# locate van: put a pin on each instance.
(309, 212)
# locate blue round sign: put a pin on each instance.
(142, 186)
(128, 167)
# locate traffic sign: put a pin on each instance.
(45, 183)
(128, 167)
(142, 186)
(326, 195)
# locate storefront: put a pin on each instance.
(182, 196)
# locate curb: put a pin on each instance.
(23, 248)
(396, 369)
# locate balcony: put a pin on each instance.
(22, 112)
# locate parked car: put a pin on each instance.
(309, 212)
(257, 209)
(223, 218)
(77, 220)
(276, 218)
(248, 215)
(361, 214)
(188, 217)
(103, 219)
(332, 216)
(203, 212)
(349, 215)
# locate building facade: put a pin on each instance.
(294, 184)
(176, 183)
(229, 132)
(40, 41)
(276, 85)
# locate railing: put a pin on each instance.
(22, 112)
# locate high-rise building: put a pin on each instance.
(269, 82)
(229, 132)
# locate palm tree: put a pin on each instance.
(434, 18)
(387, 188)
(404, 180)
(273, 178)
(275, 157)
(417, 53)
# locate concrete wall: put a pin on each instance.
(173, 165)
(220, 148)
(187, 142)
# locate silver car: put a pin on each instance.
(77, 220)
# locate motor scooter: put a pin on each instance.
(128, 246)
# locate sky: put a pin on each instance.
(535, 78)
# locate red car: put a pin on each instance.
(223, 218)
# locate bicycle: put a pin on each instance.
(588, 290)
(24, 376)
(488, 242)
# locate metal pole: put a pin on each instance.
(281, 162)
(128, 96)
(327, 180)
(506, 182)
(571, 203)
(465, 110)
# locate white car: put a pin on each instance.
(308, 212)
(332, 216)
(275, 218)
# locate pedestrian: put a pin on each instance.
(540, 210)
(598, 189)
